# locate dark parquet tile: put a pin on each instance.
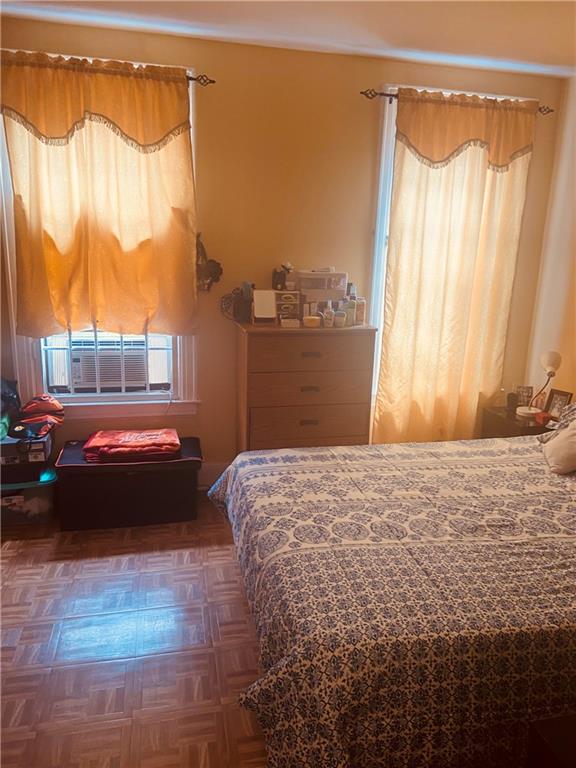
(169, 560)
(230, 622)
(237, 668)
(18, 747)
(224, 582)
(126, 648)
(94, 745)
(177, 681)
(184, 586)
(243, 738)
(22, 692)
(102, 691)
(36, 644)
(181, 740)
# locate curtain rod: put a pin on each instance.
(370, 93)
(201, 79)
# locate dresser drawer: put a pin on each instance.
(269, 425)
(309, 387)
(311, 352)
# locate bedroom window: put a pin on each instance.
(452, 193)
(113, 376)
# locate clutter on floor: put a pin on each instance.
(28, 480)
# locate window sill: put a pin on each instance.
(129, 409)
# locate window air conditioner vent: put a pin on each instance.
(110, 368)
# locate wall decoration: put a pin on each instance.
(208, 271)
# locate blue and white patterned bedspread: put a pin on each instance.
(415, 603)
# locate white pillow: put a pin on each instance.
(567, 416)
(560, 453)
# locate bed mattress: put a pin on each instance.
(415, 603)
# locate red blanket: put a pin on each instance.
(129, 446)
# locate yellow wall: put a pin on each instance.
(566, 377)
(554, 322)
(286, 169)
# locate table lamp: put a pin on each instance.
(550, 362)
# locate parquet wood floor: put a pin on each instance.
(126, 648)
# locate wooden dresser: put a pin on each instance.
(304, 387)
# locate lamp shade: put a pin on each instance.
(550, 361)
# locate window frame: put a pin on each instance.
(27, 352)
(382, 223)
(182, 400)
(99, 396)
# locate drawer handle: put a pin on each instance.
(309, 422)
(310, 388)
(311, 354)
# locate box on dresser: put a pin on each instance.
(304, 387)
(288, 304)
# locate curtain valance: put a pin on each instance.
(436, 127)
(53, 96)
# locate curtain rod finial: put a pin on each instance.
(203, 80)
(370, 93)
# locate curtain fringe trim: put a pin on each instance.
(95, 117)
(459, 150)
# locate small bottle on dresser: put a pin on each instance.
(340, 318)
(329, 317)
(350, 310)
(360, 310)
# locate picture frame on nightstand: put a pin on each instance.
(524, 394)
(557, 400)
(540, 401)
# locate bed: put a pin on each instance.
(415, 603)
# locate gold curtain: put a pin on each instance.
(460, 171)
(104, 205)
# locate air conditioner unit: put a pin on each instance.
(110, 368)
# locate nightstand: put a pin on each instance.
(500, 422)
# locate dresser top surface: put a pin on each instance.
(269, 330)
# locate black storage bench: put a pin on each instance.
(115, 495)
(552, 742)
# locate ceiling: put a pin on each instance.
(537, 37)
